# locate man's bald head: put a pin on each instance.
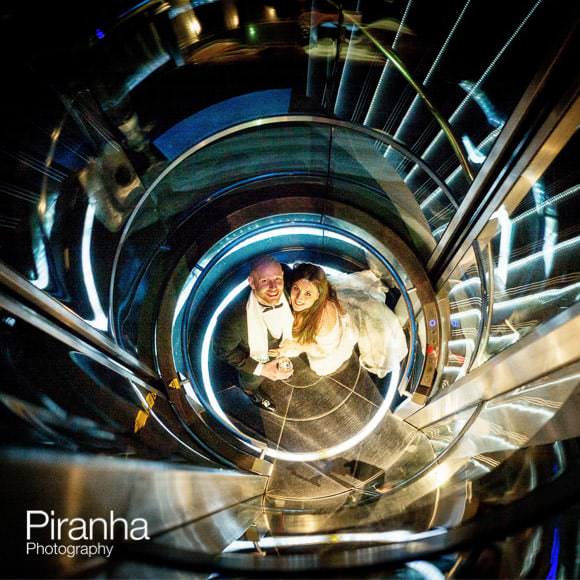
(267, 280)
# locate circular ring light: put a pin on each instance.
(195, 280)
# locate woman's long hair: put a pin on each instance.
(307, 322)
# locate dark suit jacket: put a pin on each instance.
(230, 341)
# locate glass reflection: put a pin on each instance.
(535, 254)
(463, 293)
(522, 271)
(444, 432)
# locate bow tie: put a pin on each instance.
(268, 308)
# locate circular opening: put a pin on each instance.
(313, 417)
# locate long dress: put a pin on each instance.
(331, 399)
(320, 420)
(331, 396)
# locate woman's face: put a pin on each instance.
(303, 295)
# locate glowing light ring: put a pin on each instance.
(274, 231)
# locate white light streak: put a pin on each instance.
(49, 214)
(516, 265)
(465, 314)
(505, 244)
(473, 153)
(206, 375)
(392, 537)
(38, 241)
(345, 76)
(457, 342)
(100, 320)
(40, 262)
(417, 99)
(557, 198)
(458, 170)
(379, 90)
(540, 297)
(463, 285)
(184, 293)
(427, 570)
(439, 231)
(550, 240)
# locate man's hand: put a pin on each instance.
(271, 371)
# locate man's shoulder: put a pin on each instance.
(236, 310)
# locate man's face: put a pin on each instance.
(267, 282)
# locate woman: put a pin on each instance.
(329, 323)
(322, 328)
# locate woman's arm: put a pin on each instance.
(289, 348)
(329, 319)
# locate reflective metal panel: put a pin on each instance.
(83, 486)
(213, 533)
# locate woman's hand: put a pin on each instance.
(289, 348)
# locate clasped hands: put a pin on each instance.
(288, 348)
(273, 370)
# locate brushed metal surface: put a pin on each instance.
(547, 348)
(213, 533)
(76, 485)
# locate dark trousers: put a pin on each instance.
(250, 383)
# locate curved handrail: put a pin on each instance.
(488, 287)
(393, 58)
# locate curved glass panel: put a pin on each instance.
(359, 158)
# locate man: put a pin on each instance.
(255, 325)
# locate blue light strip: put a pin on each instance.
(554, 556)
(133, 9)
